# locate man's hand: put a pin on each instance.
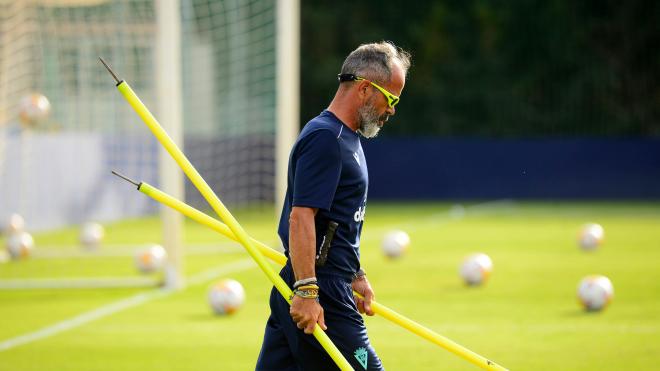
(306, 313)
(361, 285)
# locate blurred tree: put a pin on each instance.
(499, 68)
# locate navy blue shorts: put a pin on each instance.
(286, 347)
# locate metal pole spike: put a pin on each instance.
(110, 70)
(127, 179)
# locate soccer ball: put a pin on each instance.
(15, 224)
(151, 259)
(476, 269)
(20, 245)
(33, 109)
(91, 235)
(595, 292)
(226, 296)
(395, 243)
(591, 236)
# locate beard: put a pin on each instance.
(369, 120)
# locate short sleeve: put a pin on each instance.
(317, 170)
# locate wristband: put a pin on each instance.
(305, 281)
(359, 274)
(310, 286)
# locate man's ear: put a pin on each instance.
(363, 89)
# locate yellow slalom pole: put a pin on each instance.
(221, 210)
(280, 259)
(206, 220)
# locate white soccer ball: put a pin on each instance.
(476, 269)
(15, 224)
(91, 235)
(151, 259)
(33, 108)
(395, 243)
(226, 296)
(595, 292)
(20, 245)
(591, 236)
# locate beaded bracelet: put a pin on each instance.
(307, 294)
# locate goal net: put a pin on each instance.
(63, 126)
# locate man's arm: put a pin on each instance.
(302, 252)
(302, 241)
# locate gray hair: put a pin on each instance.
(374, 61)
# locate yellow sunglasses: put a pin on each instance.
(392, 100)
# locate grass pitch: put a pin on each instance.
(525, 318)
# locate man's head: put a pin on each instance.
(373, 77)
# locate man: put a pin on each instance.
(322, 219)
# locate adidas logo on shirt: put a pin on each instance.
(359, 214)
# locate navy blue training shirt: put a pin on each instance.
(328, 171)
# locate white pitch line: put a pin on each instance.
(120, 305)
(119, 251)
(213, 273)
(458, 211)
(455, 213)
(77, 283)
(83, 319)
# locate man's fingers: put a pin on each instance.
(309, 329)
(367, 309)
(360, 304)
(367, 303)
(357, 302)
(322, 321)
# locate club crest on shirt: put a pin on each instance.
(356, 157)
(361, 355)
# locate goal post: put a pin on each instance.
(288, 91)
(168, 91)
